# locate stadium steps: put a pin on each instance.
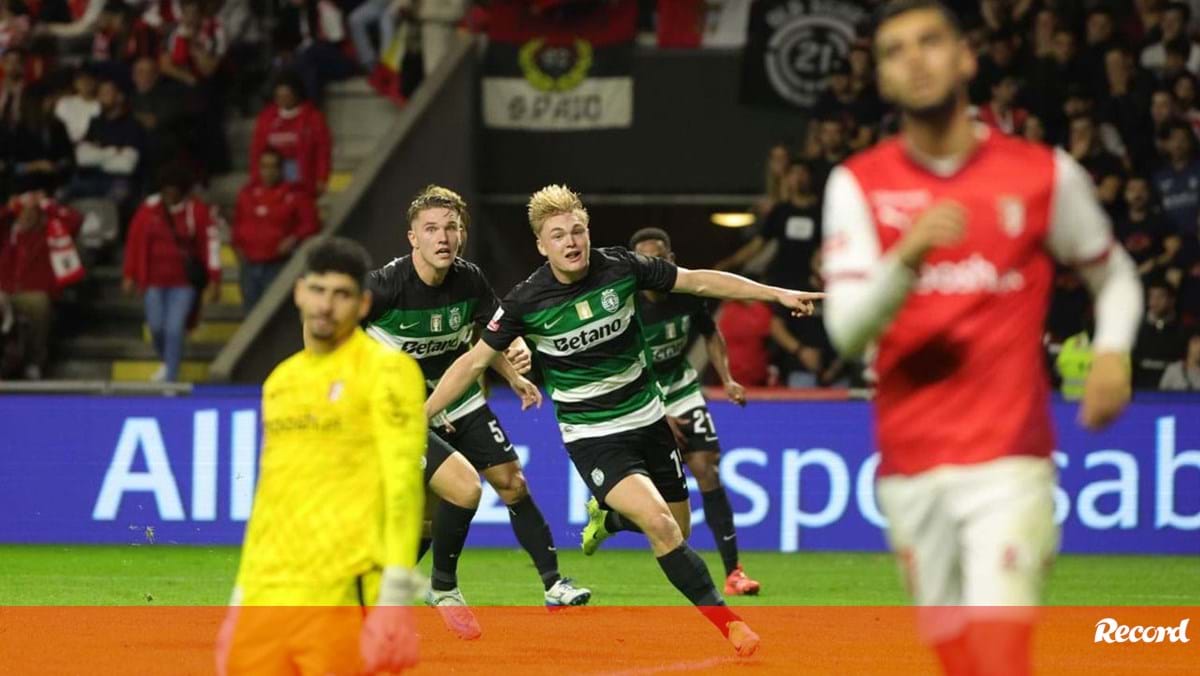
(125, 348)
(114, 343)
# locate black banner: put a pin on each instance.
(792, 45)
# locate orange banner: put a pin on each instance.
(635, 640)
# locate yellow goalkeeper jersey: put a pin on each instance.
(341, 487)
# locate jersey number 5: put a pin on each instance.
(497, 433)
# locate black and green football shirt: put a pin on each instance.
(669, 326)
(590, 348)
(434, 324)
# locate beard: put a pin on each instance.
(324, 330)
(934, 113)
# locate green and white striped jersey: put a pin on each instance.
(589, 344)
(434, 324)
(669, 326)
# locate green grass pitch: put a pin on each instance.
(179, 575)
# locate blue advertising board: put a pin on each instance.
(800, 475)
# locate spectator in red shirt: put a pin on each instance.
(680, 23)
(168, 227)
(296, 130)
(271, 219)
(27, 226)
(747, 325)
(194, 49)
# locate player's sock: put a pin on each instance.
(533, 533)
(954, 656)
(615, 523)
(450, 526)
(1000, 646)
(423, 548)
(686, 570)
(719, 516)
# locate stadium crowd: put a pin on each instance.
(111, 109)
(1112, 83)
(112, 114)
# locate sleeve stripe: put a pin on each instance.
(1098, 258)
(846, 276)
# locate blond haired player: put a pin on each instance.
(338, 508)
(580, 312)
(432, 304)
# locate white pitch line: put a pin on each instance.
(710, 663)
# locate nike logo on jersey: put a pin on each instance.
(727, 538)
(550, 325)
(405, 327)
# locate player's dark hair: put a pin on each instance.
(647, 234)
(894, 8)
(341, 255)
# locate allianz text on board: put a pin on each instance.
(800, 475)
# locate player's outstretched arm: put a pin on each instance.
(715, 284)
(464, 371)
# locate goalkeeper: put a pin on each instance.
(338, 508)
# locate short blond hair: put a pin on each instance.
(437, 197)
(551, 201)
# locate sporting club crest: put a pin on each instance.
(609, 300)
